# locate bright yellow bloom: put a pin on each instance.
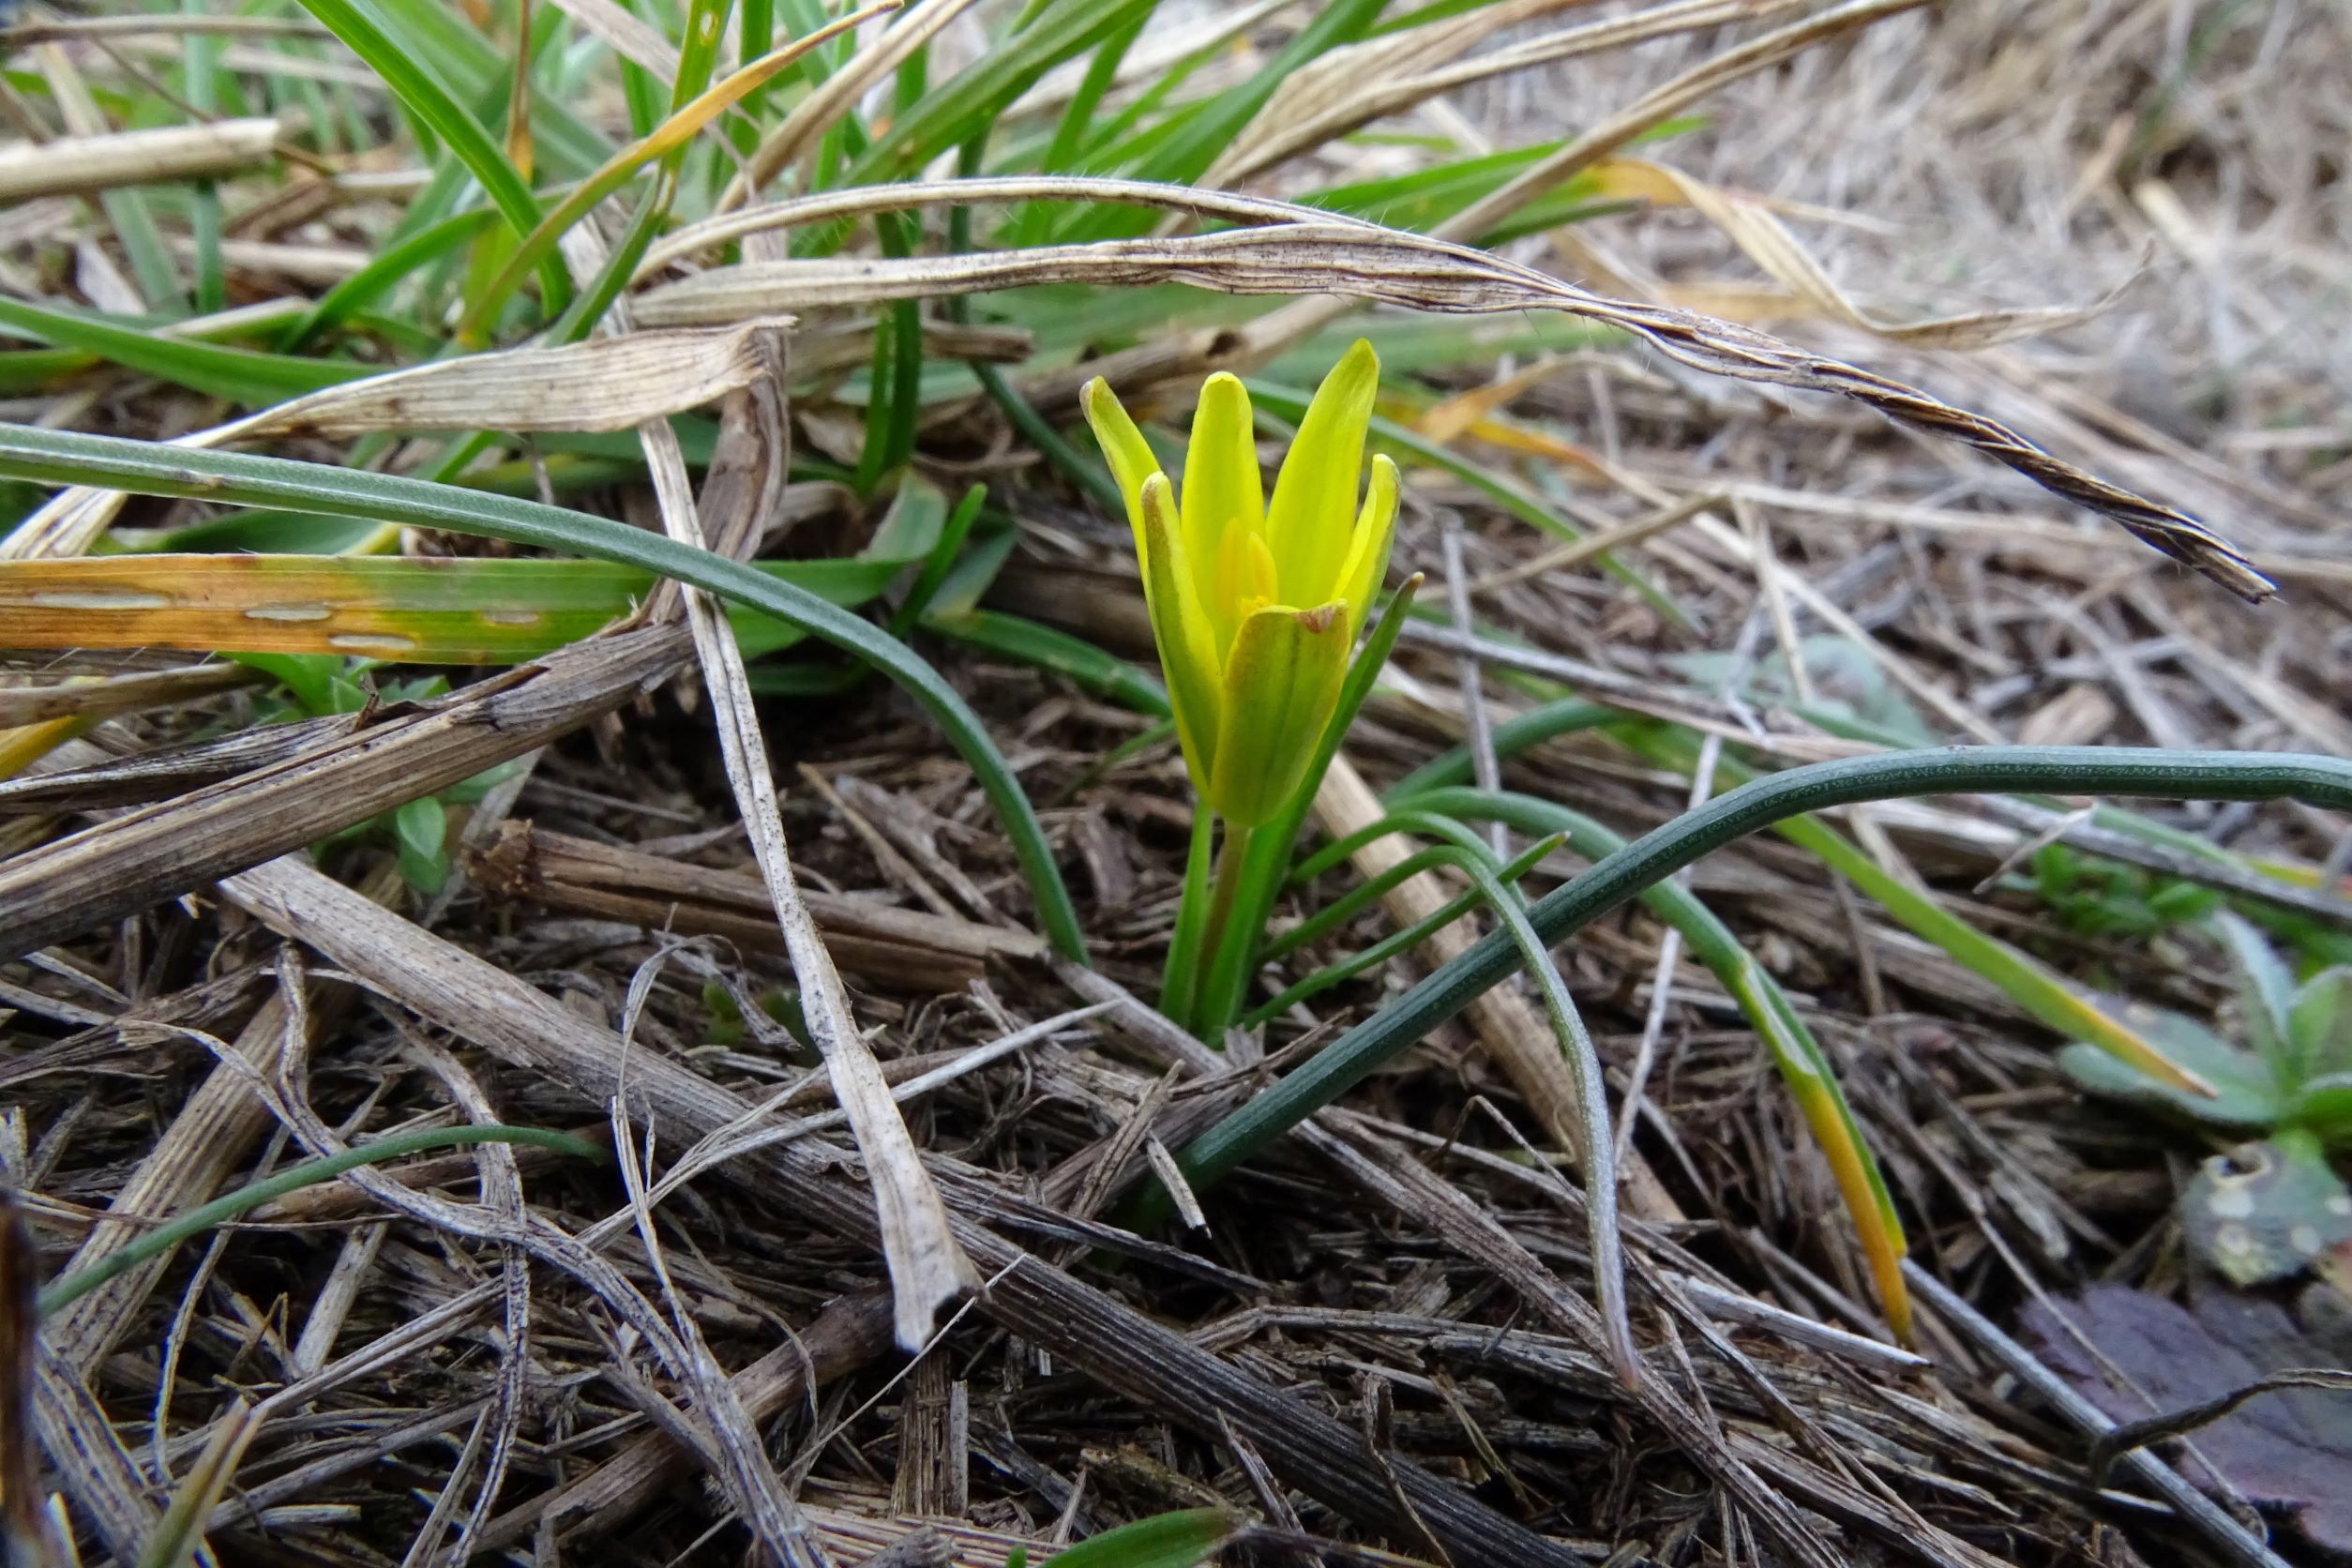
(1255, 605)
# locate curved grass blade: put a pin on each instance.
(1796, 1054)
(228, 1206)
(1359, 898)
(459, 132)
(2146, 774)
(664, 142)
(1028, 641)
(2030, 984)
(1511, 737)
(56, 457)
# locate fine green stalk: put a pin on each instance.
(2147, 774)
(1324, 921)
(1181, 988)
(1596, 1149)
(1226, 984)
(1803, 1067)
(58, 456)
(1428, 825)
(228, 1206)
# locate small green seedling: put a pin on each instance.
(2273, 1207)
(2102, 898)
(319, 686)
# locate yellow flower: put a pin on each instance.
(1255, 604)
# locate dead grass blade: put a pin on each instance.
(609, 384)
(163, 851)
(78, 165)
(1318, 256)
(1764, 239)
(1352, 87)
(606, 384)
(884, 944)
(1127, 1352)
(928, 1269)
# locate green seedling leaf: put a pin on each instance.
(2265, 1211)
(2266, 992)
(2246, 1097)
(2319, 1024)
(1164, 1541)
(420, 826)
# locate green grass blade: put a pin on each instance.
(163, 1238)
(1027, 642)
(239, 375)
(2146, 774)
(976, 96)
(56, 457)
(386, 270)
(1803, 1065)
(424, 96)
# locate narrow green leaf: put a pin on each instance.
(1164, 1541)
(424, 96)
(58, 457)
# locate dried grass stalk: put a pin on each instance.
(77, 165)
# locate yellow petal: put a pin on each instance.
(1281, 685)
(1123, 446)
(1181, 630)
(1367, 555)
(1223, 494)
(1315, 495)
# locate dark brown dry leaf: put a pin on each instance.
(2291, 1451)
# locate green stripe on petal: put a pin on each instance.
(1367, 555)
(1281, 686)
(1314, 509)
(1129, 454)
(1187, 658)
(1224, 495)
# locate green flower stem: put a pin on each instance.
(1347, 969)
(1234, 887)
(1427, 824)
(1233, 945)
(63, 458)
(1181, 986)
(1796, 1054)
(163, 1238)
(1227, 984)
(1595, 1147)
(1511, 737)
(2322, 781)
